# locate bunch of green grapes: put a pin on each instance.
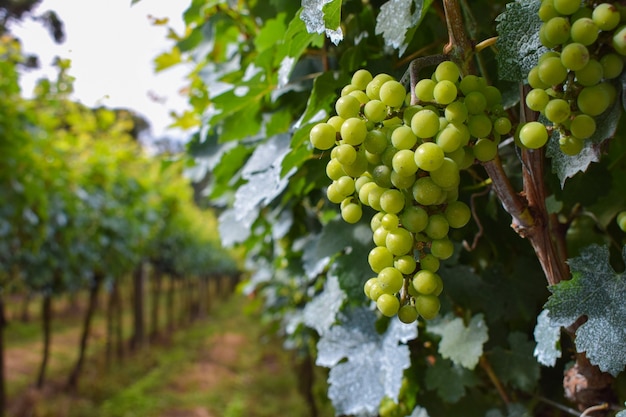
(572, 83)
(404, 161)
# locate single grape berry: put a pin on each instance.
(323, 136)
(621, 220)
(533, 135)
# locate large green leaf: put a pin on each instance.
(597, 292)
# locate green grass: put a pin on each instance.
(229, 365)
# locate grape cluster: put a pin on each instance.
(572, 83)
(404, 161)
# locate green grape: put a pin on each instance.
(409, 112)
(557, 110)
(373, 87)
(345, 185)
(407, 314)
(375, 111)
(502, 125)
(574, 56)
(621, 220)
(448, 71)
(376, 221)
(402, 182)
(584, 31)
(360, 181)
(606, 16)
(485, 149)
(476, 102)
(347, 106)
(457, 156)
(381, 175)
(390, 221)
(479, 125)
(345, 154)
(493, 96)
(437, 227)
(537, 99)
(425, 282)
(593, 100)
(439, 289)
(380, 236)
(388, 305)
(333, 195)
(403, 137)
(367, 287)
(533, 135)
(557, 30)
(380, 258)
(392, 201)
(392, 93)
(442, 248)
(390, 279)
(365, 191)
(449, 139)
(414, 219)
(334, 169)
(360, 95)
(399, 241)
(375, 141)
(424, 89)
(405, 264)
(619, 40)
(361, 78)
(323, 136)
(612, 66)
(345, 91)
(547, 10)
(430, 263)
(566, 7)
(429, 156)
(353, 131)
(426, 192)
(403, 162)
(375, 291)
(457, 214)
(445, 92)
(373, 198)
(471, 83)
(570, 145)
(427, 306)
(447, 175)
(425, 124)
(534, 81)
(456, 112)
(552, 71)
(352, 213)
(336, 122)
(591, 74)
(583, 126)
(372, 158)
(359, 165)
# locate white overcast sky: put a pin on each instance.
(112, 46)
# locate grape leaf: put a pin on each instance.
(449, 380)
(516, 365)
(263, 172)
(320, 313)
(396, 19)
(598, 292)
(518, 42)
(547, 337)
(566, 166)
(234, 229)
(365, 366)
(621, 413)
(464, 345)
(314, 17)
